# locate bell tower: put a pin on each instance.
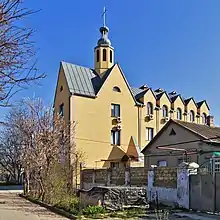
(103, 52)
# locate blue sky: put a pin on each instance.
(170, 44)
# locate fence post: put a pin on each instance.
(93, 176)
(108, 182)
(183, 186)
(127, 177)
(150, 184)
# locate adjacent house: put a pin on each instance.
(115, 121)
(180, 141)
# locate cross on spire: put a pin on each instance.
(104, 16)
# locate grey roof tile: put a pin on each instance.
(79, 79)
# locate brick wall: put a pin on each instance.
(165, 177)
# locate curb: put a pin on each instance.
(49, 207)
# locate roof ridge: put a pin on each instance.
(62, 61)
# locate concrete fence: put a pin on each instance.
(134, 176)
(169, 186)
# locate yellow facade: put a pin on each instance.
(92, 113)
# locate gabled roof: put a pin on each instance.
(139, 93)
(84, 81)
(174, 98)
(159, 95)
(203, 131)
(186, 101)
(199, 104)
(136, 91)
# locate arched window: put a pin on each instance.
(110, 56)
(191, 116)
(116, 89)
(179, 114)
(149, 108)
(97, 55)
(204, 118)
(104, 54)
(165, 111)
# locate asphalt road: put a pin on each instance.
(12, 207)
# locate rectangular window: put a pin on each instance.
(115, 137)
(115, 110)
(111, 56)
(114, 165)
(149, 134)
(162, 163)
(61, 110)
(217, 166)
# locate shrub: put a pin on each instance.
(93, 211)
(68, 203)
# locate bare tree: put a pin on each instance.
(45, 144)
(17, 50)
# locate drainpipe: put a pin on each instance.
(139, 126)
(157, 119)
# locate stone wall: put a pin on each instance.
(165, 177)
(114, 198)
(133, 176)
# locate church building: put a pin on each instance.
(115, 121)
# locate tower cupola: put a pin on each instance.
(103, 52)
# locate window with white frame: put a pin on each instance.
(179, 114)
(115, 110)
(165, 111)
(115, 137)
(149, 108)
(162, 163)
(61, 110)
(149, 134)
(191, 116)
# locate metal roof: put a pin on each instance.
(136, 91)
(85, 81)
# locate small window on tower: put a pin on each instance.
(110, 56)
(104, 54)
(61, 88)
(97, 55)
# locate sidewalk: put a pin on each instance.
(197, 215)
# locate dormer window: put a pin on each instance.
(204, 118)
(149, 108)
(165, 111)
(179, 114)
(61, 88)
(192, 116)
(116, 89)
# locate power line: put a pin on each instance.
(164, 145)
(169, 153)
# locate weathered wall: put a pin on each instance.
(134, 176)
(177, 195)
(165, 177)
